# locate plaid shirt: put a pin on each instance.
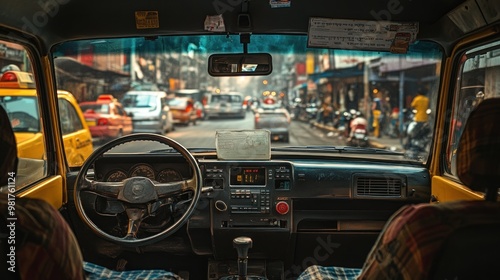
(413, 237)
(96, 272)
(45, 245)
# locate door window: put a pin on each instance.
(478, 79)
(19, 97)
(70, 122)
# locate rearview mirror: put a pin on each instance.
(240, 64)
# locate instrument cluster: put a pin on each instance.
(165, 175)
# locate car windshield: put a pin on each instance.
(97, 108)
(319, 87)
(177, 102)
(226, 98)
(139, 101)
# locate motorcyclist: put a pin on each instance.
(420, 104)
(357, 121)
(325, 113)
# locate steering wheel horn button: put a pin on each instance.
(138, 190)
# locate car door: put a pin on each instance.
(76, 135)
(41, 177)
(475, 77)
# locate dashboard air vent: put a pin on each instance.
(381, 186)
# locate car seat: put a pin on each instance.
(450, 240)
(35, 240)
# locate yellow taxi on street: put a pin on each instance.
(18, 96)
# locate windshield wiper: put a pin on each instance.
(339, 149)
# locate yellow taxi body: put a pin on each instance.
(20, 100)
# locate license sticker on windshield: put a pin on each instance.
(243, 144)
(147, 19)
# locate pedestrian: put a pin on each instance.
(377, 115)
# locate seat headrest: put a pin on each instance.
(478, 154)
(8, 148)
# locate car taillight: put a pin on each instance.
(102, 121)
(189, 107)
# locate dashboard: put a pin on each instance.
(286, 203)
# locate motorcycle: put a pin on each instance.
(307, 112)
(418, 138)
(356, 129)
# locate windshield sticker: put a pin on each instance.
(243, 144)
(147, 19)
(401, 42)
(360, 34)
(215, 23)
(280, 3)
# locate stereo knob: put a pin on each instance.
(282, 207)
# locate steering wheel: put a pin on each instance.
(137, 194)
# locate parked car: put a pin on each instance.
(277, 121)
(150, 112)
(221, 105)
(183, 110)
(106, 118)
(18, 96)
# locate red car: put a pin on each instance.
(183, 110)
(106, 118)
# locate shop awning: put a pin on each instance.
(74, 69)
(354, 71)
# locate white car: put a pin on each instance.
(150, 112)
(223, 105)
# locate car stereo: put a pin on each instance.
(247, 176)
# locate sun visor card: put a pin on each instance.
(361, 34)
(243, 144)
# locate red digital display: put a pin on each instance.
(250, 176)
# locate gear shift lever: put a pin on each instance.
(242, 244)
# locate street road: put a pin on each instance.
(203, 134)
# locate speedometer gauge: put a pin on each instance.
(168, 175)
(116, 175)
(143, 170)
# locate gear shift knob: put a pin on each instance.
(242, 244)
